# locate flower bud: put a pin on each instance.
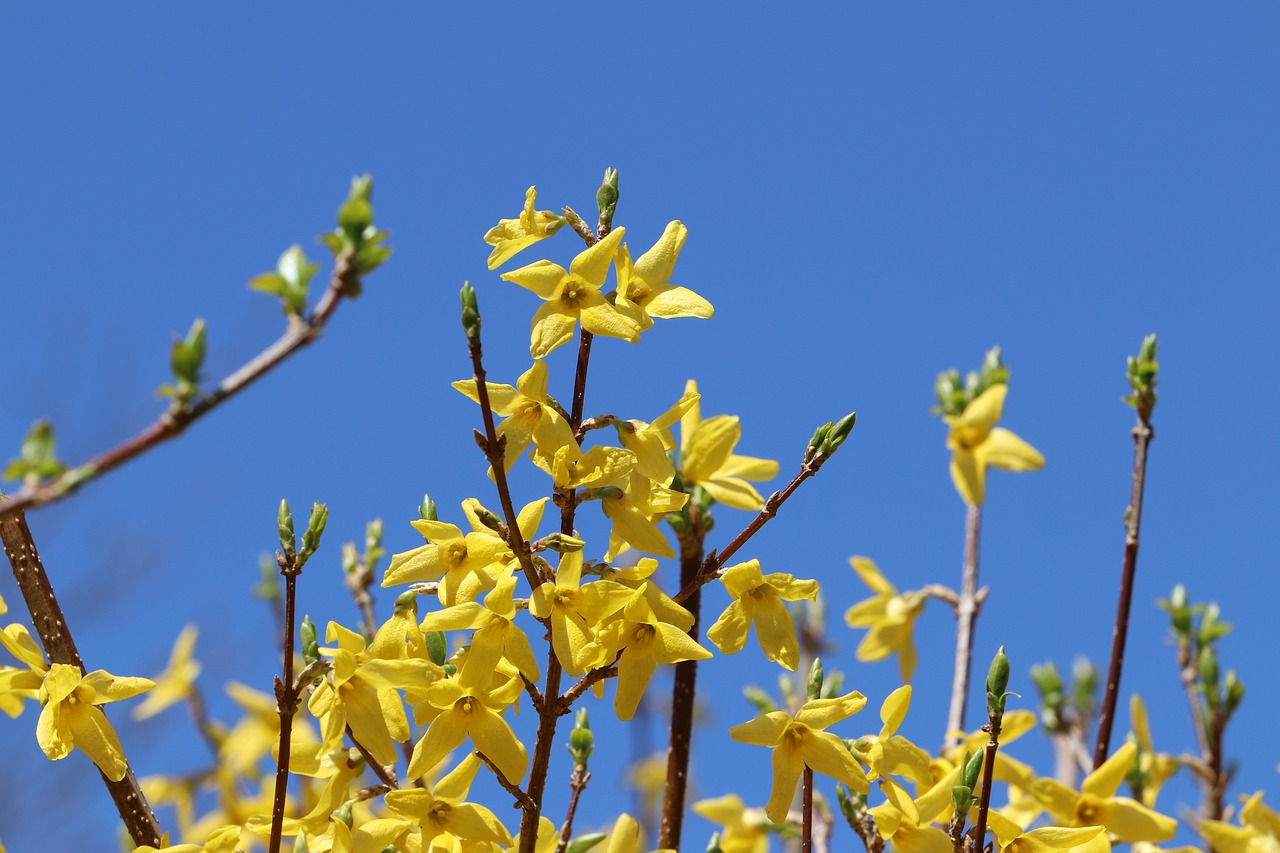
(1234, 691)
(436, 648)
(284, 523)
(315, 528)
(973, 768)
(961, 798)
(997, 682)
(309, 640)
(1208, 668)
(427, 511)
(470, 310)
(814, 688)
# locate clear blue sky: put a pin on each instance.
(872, 195)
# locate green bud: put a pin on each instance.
(840, 431)
(1208, 669)
(470, 311)
(310, 642)
(1233, 691)
(407, 602)
(973, 768)
(759, 700)
(581, 745)
(356, 214)
(284, 522)
(1047, 680)
(847, 808)
(819, 437)
(583, 843)
(961, 798)
(315, 529)
(37, 458)
(450, 670)
(437, 649)
(997, 681)
(1211, 628)
(562, 544)
(713, 844)
(350, 558)
(814, 687)
(427, 511)
(187, 356)
(607, 195)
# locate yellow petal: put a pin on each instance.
(873, 577)
(776, 632)
(787, 769)
(541, 277)
(762, 731)
(635, 668)
(733, 492)
(551, 327)
(1131, 821)
(729, 632)
(826, 754)
(656, 265)
(445, 734)
(592, 264)
(675, 302)
(894, 710)
(94, 737)
(1105, 781)
(1048, 839)
(709, 447)
(818, 714)
(1006, 451)
(493, 737)
(969, 476)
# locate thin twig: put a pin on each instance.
(60, 648)
(806, 823)
(582, 685)
(386, 774)
(577, 784)
(988, 770)
(200, 717)
(966, 616)
(172, 422)
(1142, 435)
(521, 798)
(286, 703)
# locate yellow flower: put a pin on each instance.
(466, 706)
(890, 616)
(529, 418)
(650, 442)
(462, 563)
(442, 811)
(223, 839)
(362, 692)
(17, 684)
(510, 236)
(644, 637)
(906, 823)
(626, 837)
(70, 718)
(976, 443)
(496, 634)
(1157, 767)
(570, 468)
(798, 742)
(707, 458)
(175, 683)
(644, 291)
(575, 610)
(889, 752)
(1124, 818)
(574, 295)
(757, 599)
(1010, 838)
(1259, 830)
(632, 504)
(742, 829)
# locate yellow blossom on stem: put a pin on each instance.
(891, 616)
(175, 683)
(574, 295)
(707, 458)
(496, 634)
(575, 610)
(1156, 767)
(1259, 830)
(742, 829)
(1011, 838)
(631, 504)
(468, 706)
(1013, 725)
(223, 839)
(70, 718)
(644, 639)
(256, 733)
(17, 684)
(461, 563)
(1096, 803)
(626, 837)
(906, 823)
(758, 600)
(798, 742)
(570, 468)
(510, 236)
(529, 417)
(977, 443)
(889, 753)
(650, 442)
(644, 288)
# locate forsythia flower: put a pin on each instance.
(529, 418)
(574, 610)
(496, 634)
(650, 442)
(1126, 819)
(644, 291)
(442, 810)
(889, 753)
(976, 443)
(800, 742)
(175, 683)
(70, 718)
(626, 837)
(742, 829)
(707, 458)
(1259, 830)
(461, 562)
(510, 236)
(1157, 767)
(890, 616)
(574, 295)
(631, 504)
(465, 706)
(1010, 838)
(757, 599)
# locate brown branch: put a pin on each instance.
(173, 421)
(1142, 436)
(966, 615)
(577, 784)
(200, 717)
(683, 694)
(582, 685)
(521, 798)
(988, 770)
(386, 774)
(806, 823)
(286, 702)
(60, 648)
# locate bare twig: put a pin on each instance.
(521, 798)
(988, 770)
(286, 702)
(1142, 435)
(806, 823)
(301, 331)
(577, 784)
(582, 685)
(60, 648)
(386, 774)
(966, 615)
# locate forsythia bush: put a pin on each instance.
(377, 730)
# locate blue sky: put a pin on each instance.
(873, 194)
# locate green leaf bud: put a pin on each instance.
(814, 687)
(562, 544)
(1211, 628)
(607, 196)
(450, 669)
(1207, 667)
(350, 558)
(187, 355)
(973, 768)
(961, 798)
(437, 649)
(407, 602)
(759, 699)
(840, 431)
(315, 528)
(470, 311)
(819, 437)
(847, 808)
(284, 523)
(581, 740)
(583, 843)
(356, 214)
(1233, 691)
(427, 511)
(309, 640)
(997, 681)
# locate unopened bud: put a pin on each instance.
(489, 519)
(562, 544)
(997, 682)
(1234, 691)
(315, 529)
(436, 647)
(1208, 668)
(470, 311)
(814, 688)
(846, 806)
(309, 640)
(840, 431)
(760, 700)
(406, 602)
(350, 558)
(427, 511)
(973, 768)
(284, 523)
(961, 798)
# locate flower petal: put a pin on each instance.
(551, 327)
(542, 277)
